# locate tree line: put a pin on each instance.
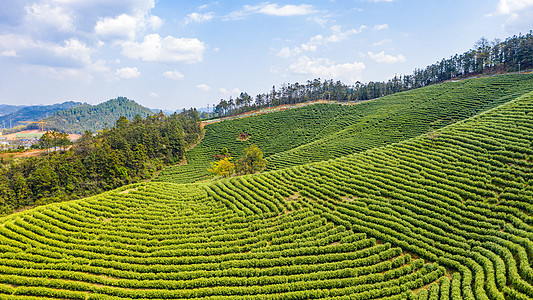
(94, 117)
(128, 152)
(486, 57)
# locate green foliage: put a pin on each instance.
(93, 118)
(409, 220)
(54, 139)
(125, 153)
(251, 161)
(486, 58)
(223, 167)
(325, 131)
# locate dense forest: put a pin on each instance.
(31, 113)
(128, 152)
(512, 55)
(95, 117)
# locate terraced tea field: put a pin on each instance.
(325, 131)
(447, 217)
(165, 241)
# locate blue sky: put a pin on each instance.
(176, 54)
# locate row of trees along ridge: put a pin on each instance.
(512, 55)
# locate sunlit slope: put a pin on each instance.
(167, 241)
(356, 227)
(463, 200)
(324, 131)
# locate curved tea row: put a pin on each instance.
(160, 241)
(324, 131)
(441, 216)
(462, 198)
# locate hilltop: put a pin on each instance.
(95, 117)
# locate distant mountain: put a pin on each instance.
(33, 113)
(95, 117)
(6, 109)
(205, 109)
(165, 111)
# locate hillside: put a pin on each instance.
(446, 216)
(34, 113)
(6, 109)
(325, 131)
(95, 117)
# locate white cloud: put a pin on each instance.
(518, 14)
(121, 27)
(507, 7)
(325, 68)
(72, 53)
(154, 22)
(99, 66)
(381, 57)
(169, 49)
(337, 36)
(321, 20)
(154, 95)
(8, 53)
(381, 43)
(285, 10)
(74, 49)
(273, 9)
(376, 1)
(55, 16)
(16, 42)
(128, 73)
(223, 91)
(286, 52)
(380, 27)
(204, 87)
(198, 17)
(176, 75)
(125, 27)
(49, 17)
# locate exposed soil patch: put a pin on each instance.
(127, 191)
(29, 153)
(13, 136)
(243, 136)
(293, 197)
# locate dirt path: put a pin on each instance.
(30, 153)
(264, 111)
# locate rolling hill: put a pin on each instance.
(6, 109)
(34, 113)
(95, 117)
(446, 215)
(325, 131)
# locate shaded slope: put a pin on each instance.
(34, 113)
(6, 109)
(324, 131)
